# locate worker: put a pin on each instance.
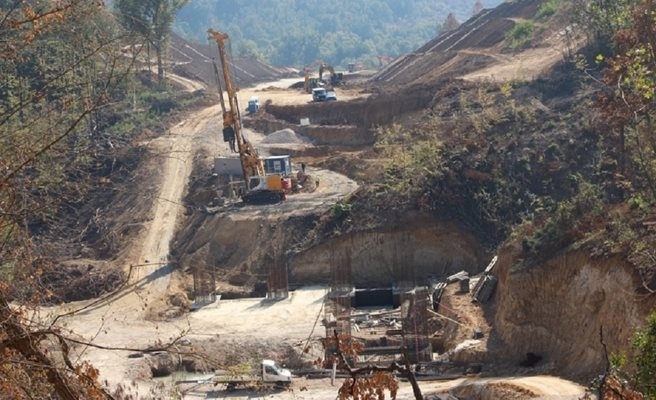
(303, 167)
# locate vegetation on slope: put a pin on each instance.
(298, 33)
(530, 160)
(70, 110)
(567, 160)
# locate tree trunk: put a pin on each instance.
(23, 341)
(416, 390)
(160, 66)
(622, 150)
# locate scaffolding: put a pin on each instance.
(415, 324)
(337, 309)
(414, 302)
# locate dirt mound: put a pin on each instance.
(285, 136)
(81, 279)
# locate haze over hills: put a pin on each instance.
(298, 33)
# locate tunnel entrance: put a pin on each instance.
(373, 297)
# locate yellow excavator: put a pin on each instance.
(335, 78)
(260, 188)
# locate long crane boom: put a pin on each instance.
(251, 164)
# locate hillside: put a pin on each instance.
(478, 49)
(501, 138)
(298, 33)
(481, 208)
(194, 61)
(489, 137)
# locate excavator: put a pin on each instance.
(335, 78)
(260, 188)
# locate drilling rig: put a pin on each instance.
(260, 187)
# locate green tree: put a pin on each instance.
(385, 26)
(627, 104)
(297, 48)
(644, 343)
(602, 18)
(152, 19)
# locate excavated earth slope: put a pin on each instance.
(559, 309)
(479, 45)
(194, 61)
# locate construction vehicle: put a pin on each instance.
(259, 187)
(253, 105)
(354, 67)
(269, 373)
(336, 79)
(312, 83)
(321, 94)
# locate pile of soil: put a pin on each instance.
(285, 136)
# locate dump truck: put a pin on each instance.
(269, 373)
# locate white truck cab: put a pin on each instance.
(319, 94)
(273, 373)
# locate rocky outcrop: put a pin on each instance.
(556, 310)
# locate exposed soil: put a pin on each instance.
(477, 50)
(150, 308)
(181, 229)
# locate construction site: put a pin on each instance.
(244, 248)
(394, 312)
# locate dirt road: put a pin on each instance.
(470, 388)
(122, 321)
(279, 93)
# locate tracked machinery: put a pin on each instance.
(336, 78)
(260, 186)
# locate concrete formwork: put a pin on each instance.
(204, 286)
(277, 281)
(415, 324)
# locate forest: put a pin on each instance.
(298, 33)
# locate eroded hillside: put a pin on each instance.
(511, 148)
(410, 177)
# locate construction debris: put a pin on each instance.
(484, 288)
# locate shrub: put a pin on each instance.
(520, 35)
(644, 343)
(547, 9)
(558, 230)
